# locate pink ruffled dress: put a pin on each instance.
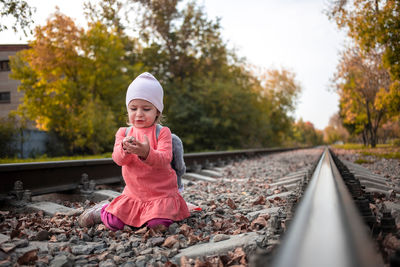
(151, 189)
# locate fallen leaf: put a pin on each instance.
(259, 201)
(259, 223)
(15, 233)
(238, 256)
(170, 264)
(141, 231)
(184, 262)
(101, 227)
(170, 241)
(193, 239)
(231, 203)
(28, 258)
(185, 229)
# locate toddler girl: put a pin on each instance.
(151, 194)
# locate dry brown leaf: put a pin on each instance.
(159, 229)
(259, 223)
(28, 258)
(170, 241)
(237, 231)
(193, 239)
(184, 262)
(101, 227)
(259, 201)
(277, 191)
(185, 229)
(15, 233)
(170, 264)
(102, 256)
(231, 203)
(53, 239)
(238, 256)
(141, 231)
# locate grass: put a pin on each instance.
(45, 158)
(386, 151)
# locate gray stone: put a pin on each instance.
(82, 249)
(74, 240)
(51, 208)
(42, 235)
(20, 243)
(195, 176)
(4, 238)
(3, 256)
(146, 251)
(121, 249)
(62, 238)
(106, 194)
(5, 263)
(128, 264)
(220, 237)
(142, 260)
(41, 246)
(173, 228)
(107, 263)
(86, 237)
(156, 241)
(62, 261)
(211, 173)
(219, 248)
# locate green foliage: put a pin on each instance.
(44, 158)
(8, 134)
(304, 133)
(386, 151)
(75, 80)
(74, 83)
(361, 161)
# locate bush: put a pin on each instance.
(8, 136)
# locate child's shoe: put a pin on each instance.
(91, 216)
(193, 207)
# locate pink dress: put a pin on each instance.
(151, 189)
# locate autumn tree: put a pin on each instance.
(280, 92)
(74, 83)
(375, 26)
(304, 133)
(359, 81)
(211, 101)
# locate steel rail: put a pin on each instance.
(327, 229)
(49, 177)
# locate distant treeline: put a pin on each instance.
(74, 80)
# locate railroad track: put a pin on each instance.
(40, 178)
(248, 205)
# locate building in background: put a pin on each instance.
(29, 142)
(10, 98)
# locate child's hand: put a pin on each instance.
(136, 147)
(127, 143)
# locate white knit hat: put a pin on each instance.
(146, 87)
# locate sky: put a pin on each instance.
(270, 34)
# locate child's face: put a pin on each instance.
(142, 113)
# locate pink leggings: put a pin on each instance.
(115, 224)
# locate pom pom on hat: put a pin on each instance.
(146, 87)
